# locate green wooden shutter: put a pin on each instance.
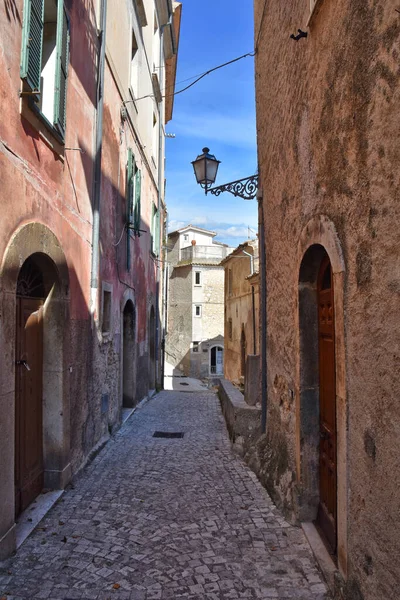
(32, 40)
(158, 233)
(136, 216)
(60, 96)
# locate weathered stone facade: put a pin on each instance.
(241, 309)
(96, 324)
(327, 125)
(195, 335)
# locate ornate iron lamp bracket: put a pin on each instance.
(243, 188)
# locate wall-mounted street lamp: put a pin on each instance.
(205, 169)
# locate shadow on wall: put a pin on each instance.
(84, 45)
(12, 11)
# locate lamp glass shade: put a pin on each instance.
(205, 168)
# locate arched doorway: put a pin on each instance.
(128, 356)
(217, 360)
(152, 349)
(327, 508)
(318, 392)
(319, 241)
(35, 281)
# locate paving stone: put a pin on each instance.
(158, 519)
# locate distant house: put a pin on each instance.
(241, 309)
(195, 324)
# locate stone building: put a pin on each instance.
(241, 309)
(328, 151)
(79, 177)
(195, 330)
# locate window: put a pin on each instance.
(156, 44)
(197, 278)
(134, 184)
(186, 237)
(45, 57)
(135, 66)
(197, 310)
(133, 195)
(155, 139)
(195, 346)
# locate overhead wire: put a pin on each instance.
(198, 78)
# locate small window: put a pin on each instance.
(186, 237)
(197, 310)
(230, 329)
(155, 142)
(135, 66)
(195, 347)
(106, 318)
(197, 278)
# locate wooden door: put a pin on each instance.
(28, 396)
(327, 510)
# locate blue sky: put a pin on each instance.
(217, 112)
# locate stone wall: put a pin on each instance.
(327, 124)
(240, 318)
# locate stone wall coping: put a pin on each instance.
(236, 397)
(242, 420)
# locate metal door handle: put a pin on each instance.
(23, 363)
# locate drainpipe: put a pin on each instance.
(263, 310)
(160, 187)
(165, 304)
(94, 279)
(251, 261)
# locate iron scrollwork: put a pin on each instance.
(243, 188)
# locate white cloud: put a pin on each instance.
(235, 232)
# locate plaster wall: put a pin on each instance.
(327, 112)
(212, 303)
(201, 239)
(141, 275)
(180, 307)
(123, 21)
(45, 192)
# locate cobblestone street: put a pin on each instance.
(154, 518)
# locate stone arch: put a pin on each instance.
(319, 239)
(216, 368)
(128, 347)
(38, 241)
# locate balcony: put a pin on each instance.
(211, 254)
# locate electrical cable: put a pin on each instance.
(197, 79)
(119, 241)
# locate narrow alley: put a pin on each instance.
(162, 518)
